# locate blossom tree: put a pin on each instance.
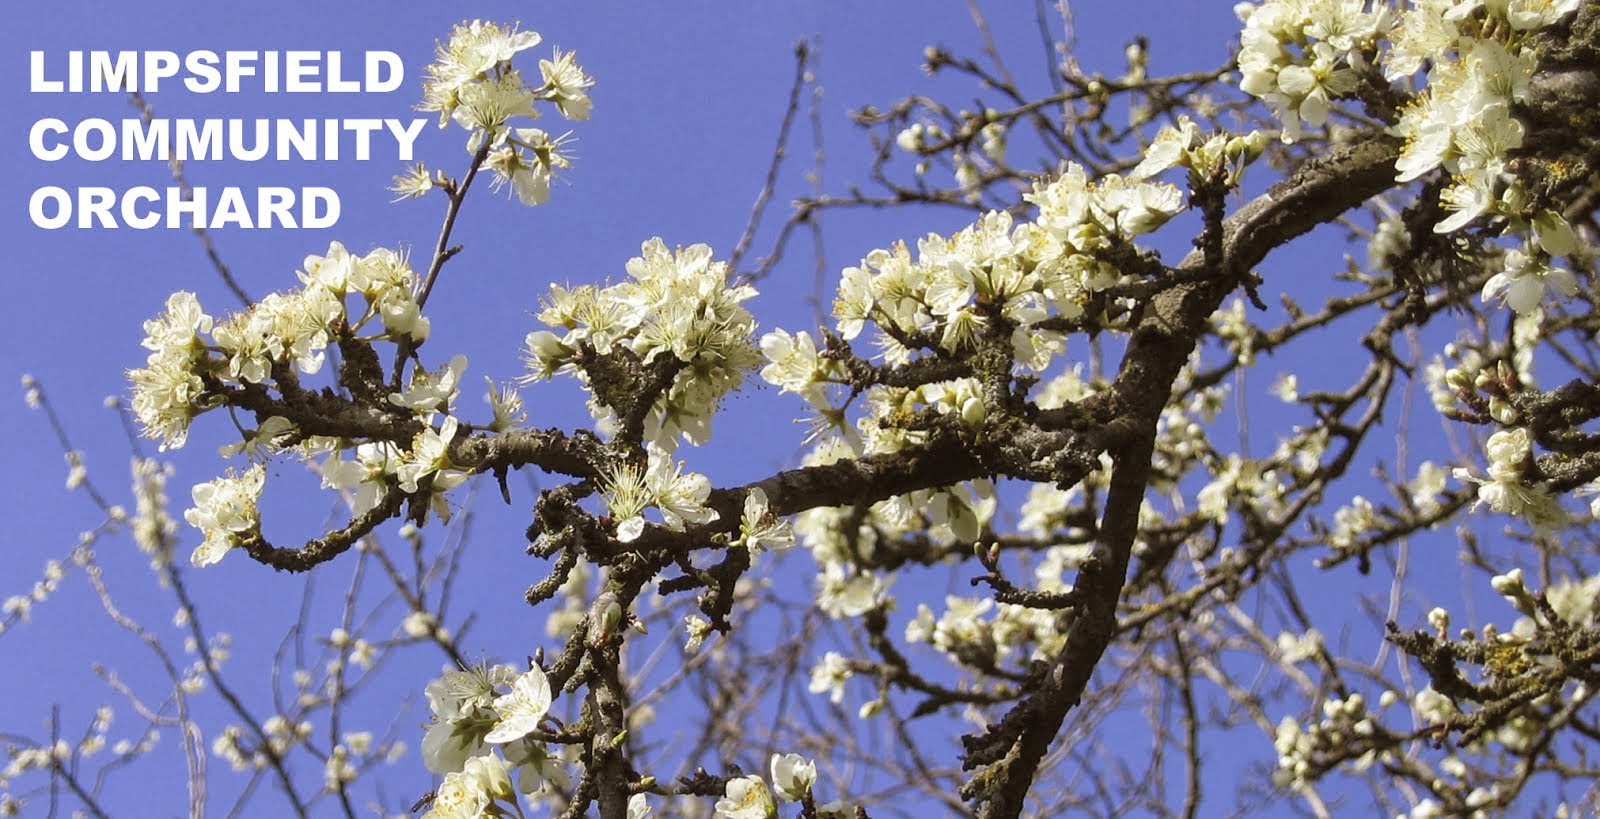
(1043, 412)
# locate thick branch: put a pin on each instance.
(1172, 323)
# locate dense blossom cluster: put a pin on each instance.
(485, 741)
(680, 497)
(991, 274)
(994, 280)
(199, 363)
(472, 709)
(282, 336)
(472, 83)
(679, 314)
(223, 509)
(1506, 490)
(1300, 55)
(185, 375)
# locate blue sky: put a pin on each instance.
(686, 109)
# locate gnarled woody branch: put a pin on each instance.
(1171, 325)
(1123, 422)
(323, 549)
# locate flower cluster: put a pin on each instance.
(184, 375)
(1524, 679)
(471, 82)
(153, 528)
(1243, 481)
(1571, 602)
(1506, 490)
(1345, 721)
(993, 282)
(168, 390)
(925, 138)
(1463, 120)
(793, 776)
(476, 712)
(678, 313)
(283, 335)
(1481, 66)
(224, 510)
(662, 483)
(1300, 55)
(1182, 145)
(198, 363)
(994, 274)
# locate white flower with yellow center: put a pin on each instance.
(746, 797)
(521, 710)
(224, 509)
